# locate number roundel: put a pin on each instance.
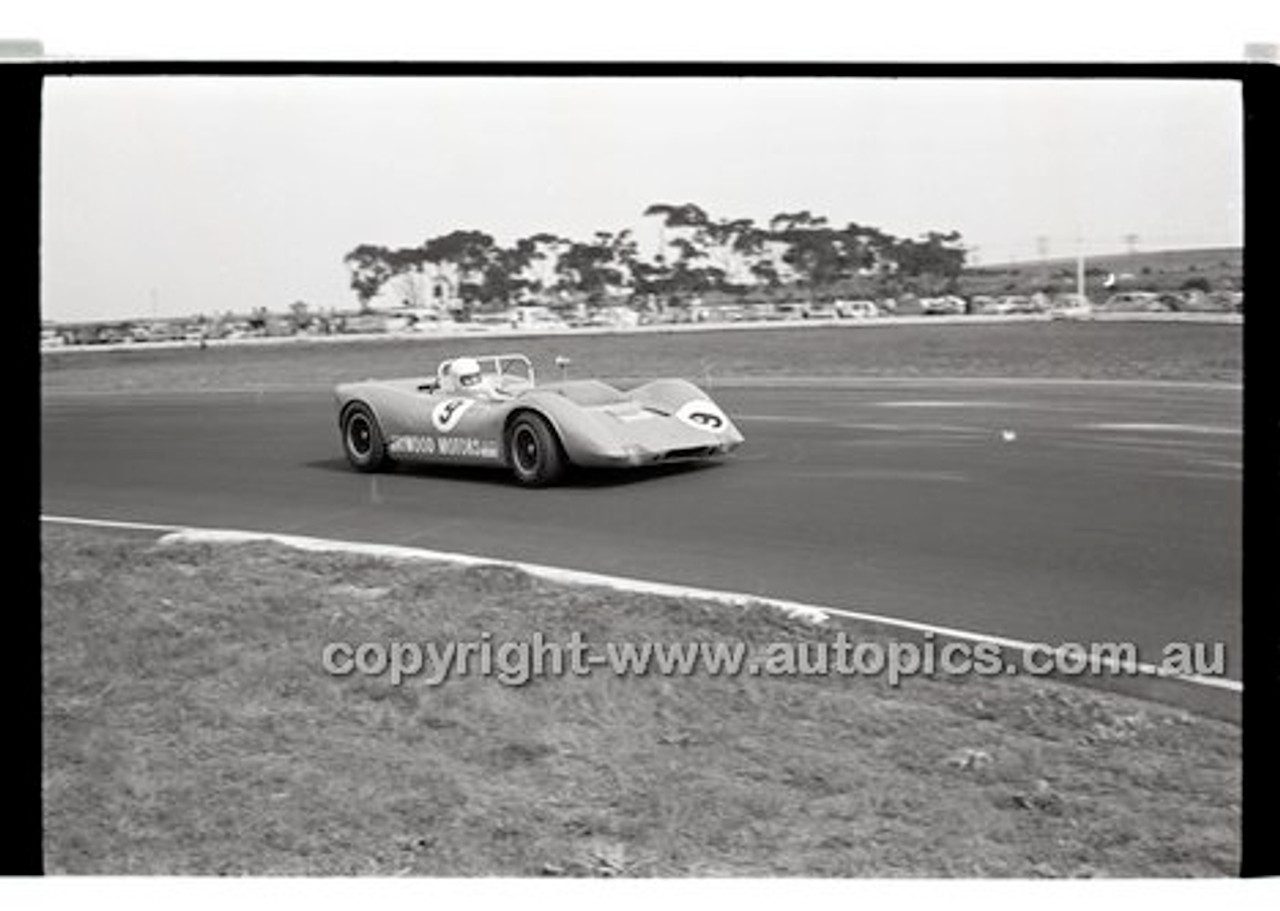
(446, 415)
(703, 414)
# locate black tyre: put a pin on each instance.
(362, 439)
(534, 452)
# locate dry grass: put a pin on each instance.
(1158, 270)
(1153, 351)
(190, 729)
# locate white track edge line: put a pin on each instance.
(813, 612)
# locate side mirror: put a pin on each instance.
(563, 363)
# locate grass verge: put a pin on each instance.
(189, 728)
(1144, 351)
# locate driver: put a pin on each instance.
(466, 378)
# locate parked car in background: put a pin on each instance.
(1012, 303)
(1038, 302)
(536, 316)
(790, 310)
(859, 309)
(1070, 306)
(360, 323)
(1134, 302)
(949, 305)
(994, 306)
(614, 318)
(821, 310)
(1028, 303)
(759, 311)
(1193, 300)
(426, 320)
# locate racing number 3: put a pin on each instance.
(702, 414)
(709, 421)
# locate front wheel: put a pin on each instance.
(534, 452)
(362, 439)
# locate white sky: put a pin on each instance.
(168, 196)
(181, 195)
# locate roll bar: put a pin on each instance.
(499, 362)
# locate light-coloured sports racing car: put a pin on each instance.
(537, 431)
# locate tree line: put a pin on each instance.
(697, 254)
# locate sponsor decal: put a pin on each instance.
(412, 446)
(455, 447)
(468, 447)
(446, 415)
(703, 414)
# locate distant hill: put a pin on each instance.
(1157, 270)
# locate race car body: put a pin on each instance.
(536, 431)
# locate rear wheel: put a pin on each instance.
(534, 452)
(362, 439)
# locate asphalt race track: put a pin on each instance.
(1044, 511)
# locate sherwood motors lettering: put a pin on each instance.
(461, 447)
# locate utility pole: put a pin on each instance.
(1131, 241)
(1080, 271)
(1042, 253)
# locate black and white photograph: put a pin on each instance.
(641, 472)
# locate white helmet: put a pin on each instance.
(465, 372)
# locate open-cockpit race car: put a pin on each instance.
(489, 410)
